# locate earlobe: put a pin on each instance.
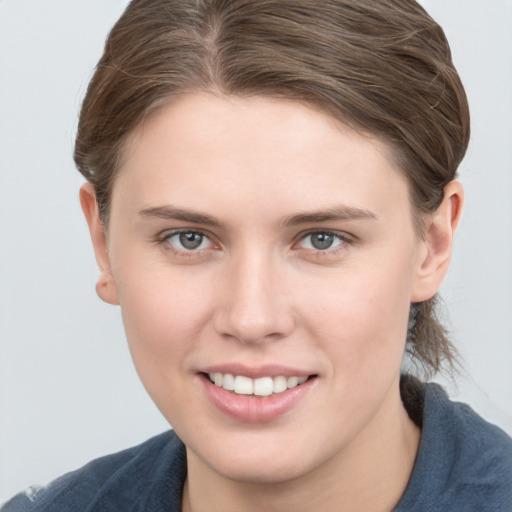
(438, 243)
(105, 287)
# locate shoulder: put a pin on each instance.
(464, 463)
(135, 479)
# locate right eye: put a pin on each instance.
(187, 241)
(322, 241)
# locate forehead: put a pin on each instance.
(207, 117)
(207, 148)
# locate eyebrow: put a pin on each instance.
(171, 213)
(343, 213)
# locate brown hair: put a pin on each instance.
(384, 68)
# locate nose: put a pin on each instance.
(254, 306)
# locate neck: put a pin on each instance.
(370, 474)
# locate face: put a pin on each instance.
(266, 247)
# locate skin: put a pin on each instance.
(257, 292)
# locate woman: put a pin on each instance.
(272, 199)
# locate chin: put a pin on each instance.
(264, 471)
(256, 459)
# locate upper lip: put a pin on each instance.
(254, 372)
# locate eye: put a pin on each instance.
(187, 241)
(321, 240)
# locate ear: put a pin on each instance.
(437, 244)
(105, 287)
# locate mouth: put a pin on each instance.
(257, 394)
(257, 399)
(259, 387)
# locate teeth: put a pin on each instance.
(243, 385)
(291, 382)
(228, 382)
(280, 384)
(264, 386)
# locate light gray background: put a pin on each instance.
(68, 391)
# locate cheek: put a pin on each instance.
(163, 316)
(163, 319)
(362, 317)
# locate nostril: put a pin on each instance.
(251, 311)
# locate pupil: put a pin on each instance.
(322, 240)
(190, 240)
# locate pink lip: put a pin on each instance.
(269, 370)
(255, 409)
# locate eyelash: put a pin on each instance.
(164, 241)
(343, 240)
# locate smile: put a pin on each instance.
(267, 395)
(263, 386)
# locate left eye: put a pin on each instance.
(321, 241)
(188, 241)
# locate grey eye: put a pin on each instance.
(191, 241)
(188, 241)
(321, 241)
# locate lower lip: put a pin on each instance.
(255, 409)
